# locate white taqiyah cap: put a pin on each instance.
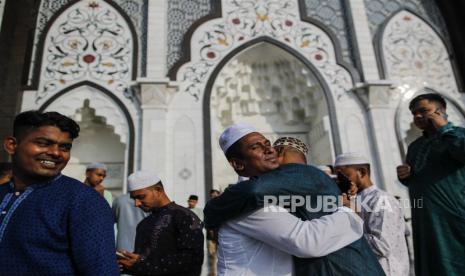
(233, 133)
(96, 165)
(350, 158)
(142, 179)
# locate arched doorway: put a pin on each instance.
(107, 133)
(270, 89)
(97, 142)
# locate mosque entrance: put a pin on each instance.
(270, 89)
(97, 142)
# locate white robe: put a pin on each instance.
(263, 242)
(385, 230)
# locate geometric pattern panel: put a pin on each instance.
(379, 10)
(135, 9)
(89, 41)
(244, 21)
(181, 15)
(333, 14)
(413, 53)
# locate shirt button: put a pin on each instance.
(17, 193)
(3, 212)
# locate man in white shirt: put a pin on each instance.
(384, 220)
(262, 242)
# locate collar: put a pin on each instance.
(37, 184)
(438, 131)
(368, 190)
(160, 209)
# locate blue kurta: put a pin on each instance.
(58, 227)
(356, 259)
(437, 193)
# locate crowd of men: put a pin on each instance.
(274, 221)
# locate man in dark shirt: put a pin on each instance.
(170, 240)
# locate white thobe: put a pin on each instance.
(263, 242)
(385, 230)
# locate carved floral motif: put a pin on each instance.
(89, 41)
(244, 20)
(414, 53)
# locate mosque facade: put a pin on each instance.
(153, 83)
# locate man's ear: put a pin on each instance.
(237, 164)
(9, 144)
(362, 172)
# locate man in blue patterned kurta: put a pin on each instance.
(435, 176)
(51, 224)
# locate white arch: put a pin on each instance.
(244, 21)
(104, 106)
(89, 41)
(415, 55)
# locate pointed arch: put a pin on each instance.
(411, 51)
(88, 40)
(106, 104)
(207, 128)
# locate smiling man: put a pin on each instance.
(261, 241)
(51, 224)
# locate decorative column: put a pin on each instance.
(155, 98)
(156, 39)
(381, 102)
(362, 35)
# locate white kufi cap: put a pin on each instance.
(142, 179)
(233, 133)
(96, 165)
(350, 158)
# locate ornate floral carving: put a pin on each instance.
(413, 53)
(135, 9)
(89, 41)
(244, 20)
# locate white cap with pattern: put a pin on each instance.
(350, 158)
(142, 179)
(233, 133)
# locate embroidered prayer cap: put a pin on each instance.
(142, 179)
(96, 165)
(292, 142)
(350, 158)
(233, 133)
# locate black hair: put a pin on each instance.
(193, 197)
(432, 97)
(214, 191)
(5, 167)
(234, 151)
(27, 121)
